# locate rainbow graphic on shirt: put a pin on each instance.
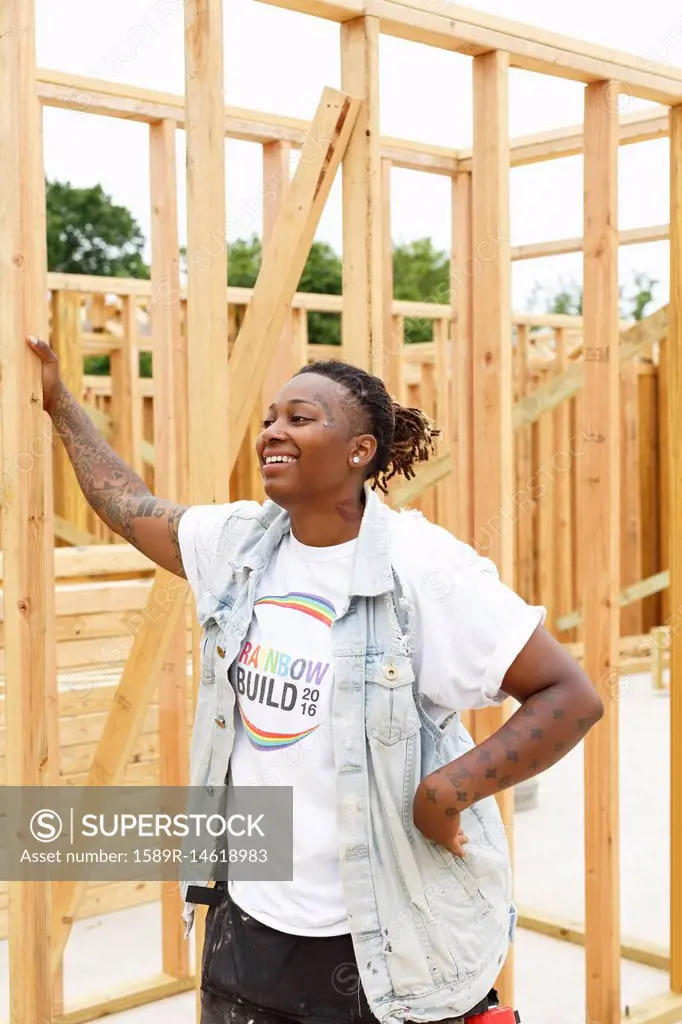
(320, 609)
(263, 740)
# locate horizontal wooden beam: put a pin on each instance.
(635, 592)
(113, 99)
(66, 531)
(126, 997)
(405, 492)
(663, 1009)
(98, 560)
(636, 339)
(648, 953)
(635, 236)
(642, 126)
(473, 33)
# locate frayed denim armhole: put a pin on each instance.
(513, 922)
(402, 616)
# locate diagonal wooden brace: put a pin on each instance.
(129, 707)
(285, 255)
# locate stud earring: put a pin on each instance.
(356, 458)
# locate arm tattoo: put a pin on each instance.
(544, 728)
(115, 492)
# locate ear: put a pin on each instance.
(363, 448)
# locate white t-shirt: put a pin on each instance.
(469, 629)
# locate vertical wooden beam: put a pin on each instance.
(546, 477)
(398, 336)
(67, 342)
(648, 491)
(276, 176)
(391, 357)
(207, 336)
(363, 260)
(126, 403)
(664, 471)
(170, 443)
(675, 433)
(25, 448)
(461, 297)
(492, 355)
(562, 461)
(600, 544)
(427, 402)
(630, 523)
(300, 344)
(445, 491)
(206, 251)
(523, 511)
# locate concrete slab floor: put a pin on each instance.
(108, 952)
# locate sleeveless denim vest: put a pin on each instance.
(430, 930)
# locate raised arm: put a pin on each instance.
(113, 490)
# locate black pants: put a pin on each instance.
(252, 974)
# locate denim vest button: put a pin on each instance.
(221, 652)
(220, 720)
(390, 671)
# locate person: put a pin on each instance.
(342, 641)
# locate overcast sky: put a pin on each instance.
(278, 61)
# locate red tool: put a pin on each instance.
(496, 1015)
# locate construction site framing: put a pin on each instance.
(192, 378)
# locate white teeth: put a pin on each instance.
(279, 458)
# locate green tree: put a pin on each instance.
(321, 274)
(421, 273)
(87, 233)
(643, 295)
(567, 297)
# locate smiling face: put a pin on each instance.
(311, 433)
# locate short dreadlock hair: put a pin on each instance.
(404, 435)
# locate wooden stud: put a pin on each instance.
(648, 489)
(562, 461)
(394, 339)
(675, 471)
(26, 443)
(398, 342)
(170, 445)
(301, 352)
(664, 491)
(276, 180)
(427, 402)
(285, 255)
(523, 507)
(209, 418)
(207, 306)
(363, 239)
(67, 344)
(461, 294)
(126, 401)
(445, 492)
(630, 525)
(600, 544)
(49, 524)
(492, 362)
(545, 489)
